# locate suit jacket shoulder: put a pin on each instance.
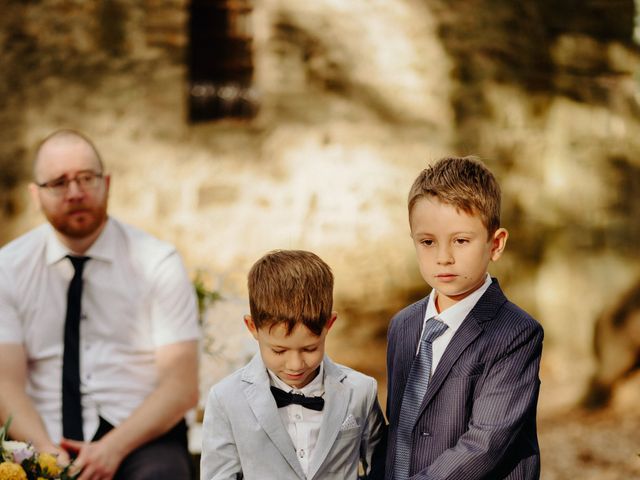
(407, 318)
(230, 387)
(354, 378)
(497, 315)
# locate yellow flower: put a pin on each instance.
(12, 471)
(49, 464)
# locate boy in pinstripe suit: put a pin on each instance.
(470, 391)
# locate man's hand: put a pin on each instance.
(95, 460)
(62, 457)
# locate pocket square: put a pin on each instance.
(349, 423)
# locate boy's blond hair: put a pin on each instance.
(291, 287)
(464, 182)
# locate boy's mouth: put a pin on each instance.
(446, 276)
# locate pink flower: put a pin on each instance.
(20, 451)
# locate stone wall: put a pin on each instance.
(355, 98)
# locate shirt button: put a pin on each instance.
(301, 453)
(426, 434)
(297, 416)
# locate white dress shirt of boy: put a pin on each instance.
(302, 424)
(452, 317)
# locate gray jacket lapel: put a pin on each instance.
(336, 398)
(264, 408)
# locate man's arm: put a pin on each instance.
(26, 424)
(220, 459)
(176, 393)
(508, 396)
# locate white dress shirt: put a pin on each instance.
(136, 297)
(452, 317)
(302, 424)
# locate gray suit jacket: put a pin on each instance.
(478, 417)
(243, 433)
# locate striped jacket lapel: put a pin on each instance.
(466, 334)
(410, 331)
(471, 328)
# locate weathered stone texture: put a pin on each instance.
(355, 98)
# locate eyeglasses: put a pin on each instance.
(84, 180)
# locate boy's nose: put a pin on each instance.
(444, 256)
(295, 362)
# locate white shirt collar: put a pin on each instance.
(314, 388)
(455, 315)
(102, 249)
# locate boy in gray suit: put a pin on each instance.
(291, 413)
(462, 362)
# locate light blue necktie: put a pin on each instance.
(414, 392)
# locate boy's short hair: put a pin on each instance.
(464, 182)
(291, 287)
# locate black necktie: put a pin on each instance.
(71, 398)
(286, 398)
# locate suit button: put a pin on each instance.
(425, 434)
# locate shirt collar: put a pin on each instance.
(102, 249)
(455, 315)
(314, 387)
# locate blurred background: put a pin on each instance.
(233, 127)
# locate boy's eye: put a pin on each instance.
(309, 350)
(277, 352)
(461, 241)
(426, 242)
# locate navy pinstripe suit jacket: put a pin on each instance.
(478, 417)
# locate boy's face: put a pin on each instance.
(453, 249)
(294, 358)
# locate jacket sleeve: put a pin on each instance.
(506, 401)
(373, 442)
(220, 459)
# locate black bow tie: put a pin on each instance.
(285, 398)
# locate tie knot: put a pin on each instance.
(77, 262)
(433, 329)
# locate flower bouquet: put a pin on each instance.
(20, 461)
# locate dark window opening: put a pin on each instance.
(221, 60)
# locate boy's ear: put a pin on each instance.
(331, 321)
(248, 321)
(498, 243)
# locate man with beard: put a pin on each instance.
(98, 329)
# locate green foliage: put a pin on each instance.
(205, 295)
